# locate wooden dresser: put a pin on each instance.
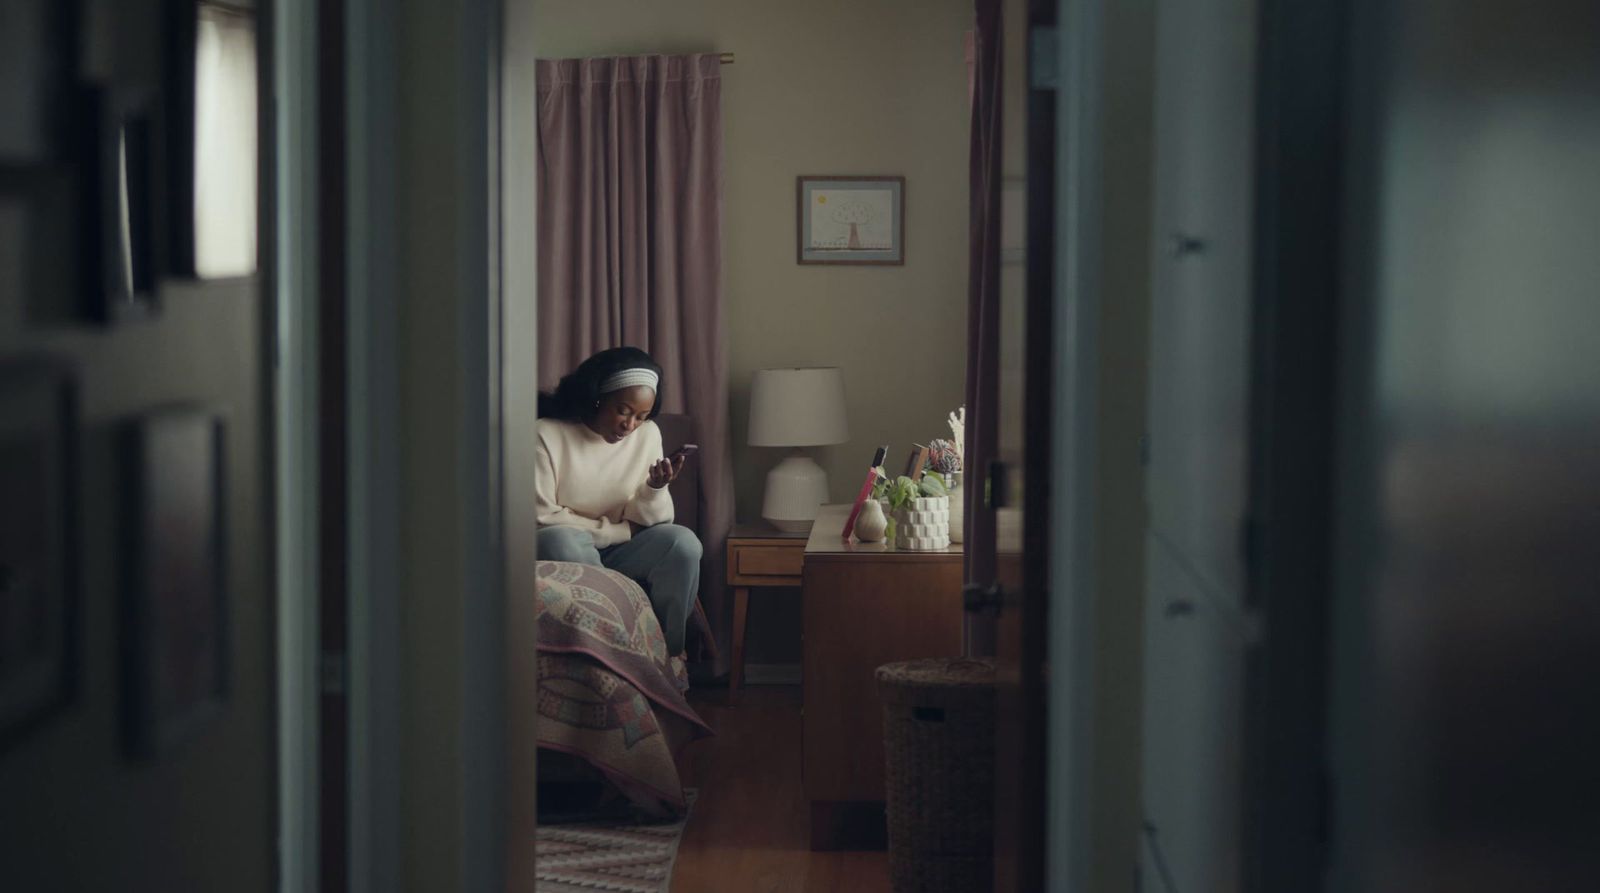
(863, 606)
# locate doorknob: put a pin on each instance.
(985, 601)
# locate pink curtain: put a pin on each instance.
(630, 247)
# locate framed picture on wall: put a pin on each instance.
(851, 220)
(176, 655)
(39, 596)
(38, 58)
(124, 204)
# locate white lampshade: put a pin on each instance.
(797, 407)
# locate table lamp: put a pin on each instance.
(796, 408)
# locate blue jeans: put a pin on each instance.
(665, 559)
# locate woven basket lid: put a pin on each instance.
(939, 672)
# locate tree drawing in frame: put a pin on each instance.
(851, 220)
(853, 214)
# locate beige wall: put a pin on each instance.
(828, 87)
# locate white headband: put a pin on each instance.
(628, 378)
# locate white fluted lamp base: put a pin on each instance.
(796, 488)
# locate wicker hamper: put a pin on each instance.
(938, 728)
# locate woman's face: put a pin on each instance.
(622, 411)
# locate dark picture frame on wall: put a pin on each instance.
(38, 41)
(124, 202)
(858, 221)
(39, 586)
(41, 147)
(175, 627)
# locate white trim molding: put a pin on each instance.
(1073, 498)
(294, 376)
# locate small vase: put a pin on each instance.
(958, 514)
(871, 523)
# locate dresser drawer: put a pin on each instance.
(769, 561)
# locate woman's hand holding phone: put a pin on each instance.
(666, 470)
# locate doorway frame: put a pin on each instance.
(515, 343)
(1075, 381)
(393, 683)
(1293, 440)
(292, 327)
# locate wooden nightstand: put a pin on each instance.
(758, 556)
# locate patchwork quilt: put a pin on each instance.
(608, 691)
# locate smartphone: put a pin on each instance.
(687, 450)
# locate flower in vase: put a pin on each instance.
(944, 457)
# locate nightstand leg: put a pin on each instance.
(741, 611)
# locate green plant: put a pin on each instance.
(897, 492)
(903, 489)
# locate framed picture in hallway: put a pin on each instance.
(38, 46)
(851, 220)
(39, 596)
(125, 203)
(174, 608)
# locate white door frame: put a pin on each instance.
(372, 428)
(516, 367)
(293, 275)
(1073, 497)
(392, 140)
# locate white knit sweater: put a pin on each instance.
(582, 481)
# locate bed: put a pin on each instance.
(609, 694)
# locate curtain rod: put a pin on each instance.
(726, 58)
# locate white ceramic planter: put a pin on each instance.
(923, 524)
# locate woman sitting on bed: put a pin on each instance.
(602, 483)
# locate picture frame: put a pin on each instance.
(41, 151)
(865, 225)
(175, 608)
(213, 141)
(38, 64)
(40, 598)
(124, 203)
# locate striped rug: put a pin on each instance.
(611, 857)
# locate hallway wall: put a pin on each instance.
(74, 813)
(453, 665)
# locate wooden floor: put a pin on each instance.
(748, 830)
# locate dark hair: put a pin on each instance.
(575, 397)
